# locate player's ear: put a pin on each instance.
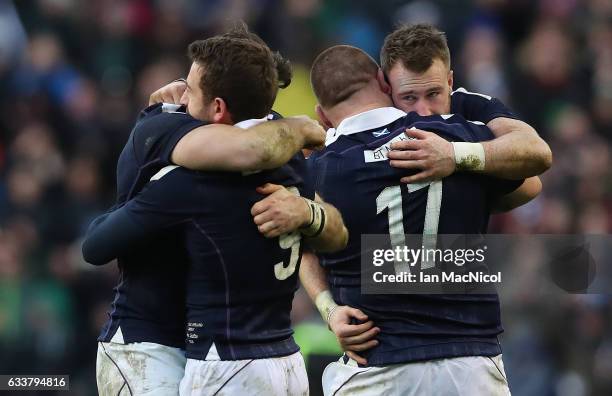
(323, 120)
(450, 79)
(220, 113)
(382, 81)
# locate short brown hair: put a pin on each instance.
(241, 70)
(283, 66)
(416, 46)
(340, 71)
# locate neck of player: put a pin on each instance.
(366, 99)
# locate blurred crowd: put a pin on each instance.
(74, 74)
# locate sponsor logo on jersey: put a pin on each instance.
(381, 133)
(380, 154)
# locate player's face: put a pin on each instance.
(193, 97)
(426, 93)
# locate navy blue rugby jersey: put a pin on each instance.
(158, 129)
(240, 284)
(353, 174)
(150, 297)
(478, 107)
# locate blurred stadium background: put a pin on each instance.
(73, 75)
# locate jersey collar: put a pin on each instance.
(365, 121)
(245, 124)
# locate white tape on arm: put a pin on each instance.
(469, 156)
(326, 305)
(317, 219)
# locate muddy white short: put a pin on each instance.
(140, 368)
(280, 376)
(471, 375)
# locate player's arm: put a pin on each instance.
(530, 189)
(328, 236)
(266, 145)
(282, 211)
(159, 205)
(228, 148)
(352, 338)
(516, 151)
(111, 236)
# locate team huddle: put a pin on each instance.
(219, 216)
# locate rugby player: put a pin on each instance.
(240, 285)
(353, 99)
(427, 344)
(416, 62)
(416, 65)
(445, 333)
(141, 345)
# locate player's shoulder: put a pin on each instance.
(438, 119)
(453, 127)
(162, 115)
(162, 108)
(158, 129)
(462, 93)
(479, 106)
(473, 105)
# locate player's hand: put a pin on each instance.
(313, 133)
(170, 93)
(432, 155)
(280, 212)
(353, 338)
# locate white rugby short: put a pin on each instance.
(279, 376)
(138, 368)
(469, 376)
